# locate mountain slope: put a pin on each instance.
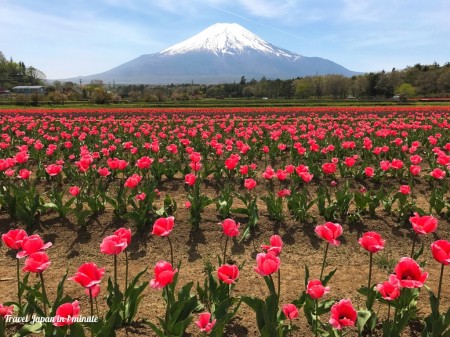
(221, 53)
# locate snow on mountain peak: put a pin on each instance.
(226, 38)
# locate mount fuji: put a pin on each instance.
(221, 53)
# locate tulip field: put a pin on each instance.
(273, 222)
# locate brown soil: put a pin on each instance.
(73, 246)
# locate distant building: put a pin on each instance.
(29, 89)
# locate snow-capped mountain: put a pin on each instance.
(221, 53)
(227, 38)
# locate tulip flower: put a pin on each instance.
(343, 314)
(204, 322)
(389, 290)
(422, 225)
(249, 184)
(37, 262)
(53, 169)
(330, 232)
(230, 229)
(66, 314)
(441, 253)
(290, 311)
(89, 276)
(316, 290)
(74, 191)
(164, 274)
(190, 179)
(409, 274)
(6, 310)
(228, 273)
(276, 245)
(24, 174)
(13, 239)
(32, 244)
(163, 227)
(267, 263)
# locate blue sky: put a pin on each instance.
(71, 38)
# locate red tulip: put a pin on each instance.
(103, 171)
(437, 173)
(423, 224)
(113, 245)
(343, 314)
(267, 263)
(163, 226)
(32, 244)
(204, 322)
(230, 227)
(144, 162)
(385, 165)
(74, 191)
(329, 231)
(441, 251)
(409, 274)
(396, 164)
(13, 239)
(290, 311)
(415, 170)
(281, 175)
(390, 290)
(125, 234)
(369, 172)
(284, 192)
(329, 168)
(316, 290)
(36, 262)
(228, 273)
(140, 196)
(268, 173)
(24, 174)
(190, 179)
(6, 310)
(53, 169)
(249, 184)
(405, 189)
(372, 242)
(276, 245)
(133, 181)
(350, 161)
(66, 313)
(164, 274)
(88, 275)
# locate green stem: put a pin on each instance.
(316, 321)
(2, 326)
(92, 308)
(440, 284)
(389, 312)
(225, 250)
(279, 284)
(44, 294)
(414, 244)
(126, 270)
(166, 289)
(171, 251)
(324, 260)
(18, 285)
(370, 272)
(115, 271)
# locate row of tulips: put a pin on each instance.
(85, 163)
(215, 304)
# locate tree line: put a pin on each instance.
(413, 81)
(16, 73)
